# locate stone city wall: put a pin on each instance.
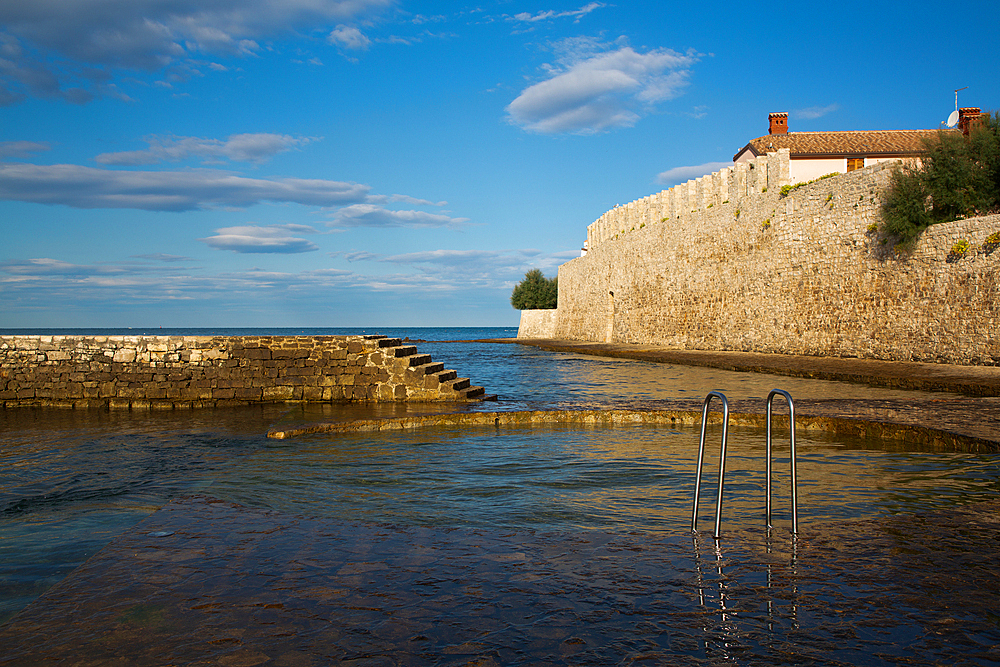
(539, 323)
(202, 371)
(801, 273)
(738, 186)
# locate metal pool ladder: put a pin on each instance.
(722, 459)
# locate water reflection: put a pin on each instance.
(529, 378)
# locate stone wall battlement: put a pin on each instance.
(737, 187)
(201, 371)
(807, 272)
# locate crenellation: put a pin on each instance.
(799, 274)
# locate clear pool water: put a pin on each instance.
(70, 481)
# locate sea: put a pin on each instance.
(77, 485)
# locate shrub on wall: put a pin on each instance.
(959, 177)
(535, 292)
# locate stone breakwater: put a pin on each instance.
(137, 372)
(745, 413)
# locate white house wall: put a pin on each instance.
(808, 170)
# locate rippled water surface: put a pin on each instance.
(72, 482)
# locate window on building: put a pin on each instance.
(855, 163)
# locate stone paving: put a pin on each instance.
(976, 416)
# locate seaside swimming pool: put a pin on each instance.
(582, 531)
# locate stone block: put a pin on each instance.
(312, 393)
(249, 393)
(278, 393)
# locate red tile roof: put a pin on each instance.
(856, 143)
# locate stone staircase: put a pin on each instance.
(422, 372)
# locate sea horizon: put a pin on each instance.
(426, 333)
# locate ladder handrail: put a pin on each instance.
(701, 458)
(722, 460)
(791, 440)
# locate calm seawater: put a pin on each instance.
(71, 481)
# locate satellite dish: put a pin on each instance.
(952, 119)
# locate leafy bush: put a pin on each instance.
(991, 243)
(788, 189)
(960, 177)
(535, 292)
(958, 251)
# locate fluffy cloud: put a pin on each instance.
(88, 187)
(268, 239)
(370, 215)
(682, 174)
(144, 34)
(349, 38)
(592, 90)
(256, 147)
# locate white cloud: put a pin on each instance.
(479, 264)
(255, 147)
(21, 148)
(815, 112)
(552, 14)
(356, 256)
(593, 90)
(682, 174)
(45, 266)
(43, 41)
(349, 37)
(89, 187)
(161, 257)
(370, 215)
(267, 239)
(406, 199)
(49, 285)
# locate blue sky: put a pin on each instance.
(186, 163)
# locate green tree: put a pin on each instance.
(959, 177)
(535, 292)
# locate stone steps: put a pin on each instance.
(445, 376)
(420, 360)
(476, 393)
(460, 383)
(436, 375)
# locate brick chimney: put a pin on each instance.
(778, 123)
(967, 117)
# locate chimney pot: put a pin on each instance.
(778, 123)
(967, 117)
